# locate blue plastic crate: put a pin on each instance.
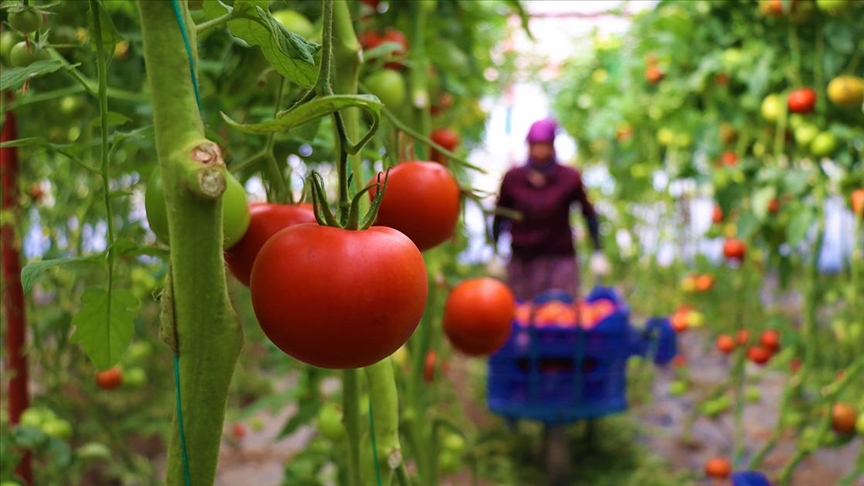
(559, 374)
(749, 478)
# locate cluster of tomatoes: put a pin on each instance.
(560, 314)
(757, 352)
(340, 298)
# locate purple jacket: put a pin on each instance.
(545, 225)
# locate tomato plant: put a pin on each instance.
(478, 316)
(422, 200)
(316, 317)
(265, 220)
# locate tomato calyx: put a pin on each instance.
(349, 211)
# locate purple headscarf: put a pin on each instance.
(542, 131)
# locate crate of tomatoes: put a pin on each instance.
(566, 359)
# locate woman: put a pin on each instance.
(542, 192)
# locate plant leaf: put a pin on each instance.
(105, 324)
(761, 199)
(290, 54)
(317, 108)
(32, 271)
(14, 78)
(799, 224)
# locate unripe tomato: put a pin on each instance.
(295, 22)
(833, 7)
(110, 378)
(801, 100)
(718, 467)
(805, 134)
(135, 377)
(26, 20)
(336, 298)
(824, 144)
(843, 417)
(58, 428)
(389, 86)
(771, 108)
(859, 425)
(265, 220)
(8, 39)
(23, 55)
(734, 249)
(329, 422)
(422, 200)
(235, 212)
(846, 91)
(478, 315)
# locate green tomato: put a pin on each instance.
(665, 136)
(389, 86)
(72, 105)
(330, 422)
(8, 39)
(22, 55)
(824, 144)
(833, 7)
(449, 463)
(454, 444)
(26, 20)
(35, 417)
(139, 351)
(58, 428)
(805, 134)
(93, 450)
(677, 388)
(771, 107)
(753, 395)
(295, 22)
(9, 483)
(235, 210)
(256, 424)
(135, 377)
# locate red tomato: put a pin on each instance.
(704, 282)
(478, 315)
(239, 431)
(734, 249)
(266, 220)
(742, 337)
(774, 206)
(110, 378)
(758, 354)
(446, 138)
(857, 202)
(795, 365)
(653, 74)
(718, 467)
(843, 417)
(421, 200)
(725, 344)
(370, 40)
(801, 100)
(679, 361)
(729, 158)
(770, 340)
(429, 367)
(336, 298)
(717, 216)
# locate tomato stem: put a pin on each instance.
(351, 420)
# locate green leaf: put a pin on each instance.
(214, 9)
(290, 54)
(795, 182)
(129, 248)
(306, 412)
(799, 224)
(317, 108)
(105, 325)
(747, 224)
(33, 271)
(113, 120)
(14, 78)
(110, 35)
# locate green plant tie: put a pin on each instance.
(186, 476)
(374, 445)
(185, 456)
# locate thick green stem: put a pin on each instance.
(419, 84)
(351, 419)
(208, 334)
(384, 407)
